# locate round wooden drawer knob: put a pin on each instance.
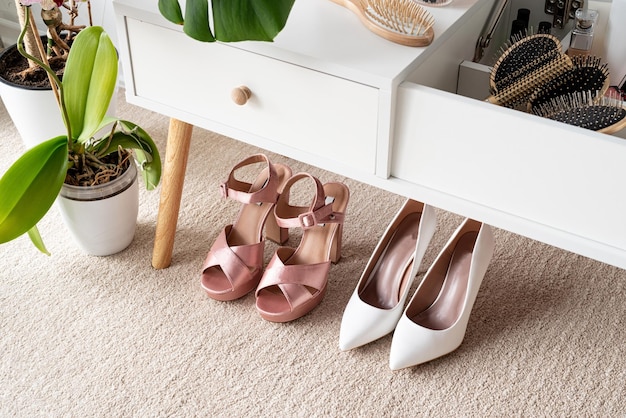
(240, 95)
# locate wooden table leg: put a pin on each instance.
(173, 178)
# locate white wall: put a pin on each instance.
(101, 10)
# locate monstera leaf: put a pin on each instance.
(234, 20)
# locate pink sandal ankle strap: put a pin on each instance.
(319, 212)
(240, 190)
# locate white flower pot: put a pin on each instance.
(103, 218)
(34, 112)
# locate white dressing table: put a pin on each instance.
(391, 115)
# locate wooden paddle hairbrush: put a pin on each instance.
(528, 63)
(605, 114)
(588, 75)
(400, 21)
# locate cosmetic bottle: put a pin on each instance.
(582, 34)
(519, 27)
(545, 27)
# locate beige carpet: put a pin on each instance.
(84, 336)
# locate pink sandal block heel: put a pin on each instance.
(234, 265)
(295, 280)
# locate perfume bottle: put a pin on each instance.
(582, 34)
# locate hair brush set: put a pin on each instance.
(533, 74)
(524, 66)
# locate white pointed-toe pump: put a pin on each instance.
(378, 300)
(435, 320)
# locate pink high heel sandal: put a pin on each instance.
(295, 279)
(234, 265)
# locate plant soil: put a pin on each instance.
(13, 68)
(87, 170)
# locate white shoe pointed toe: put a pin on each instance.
(363, 323)
(378, 300)
(435, 320)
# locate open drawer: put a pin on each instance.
(546, 180)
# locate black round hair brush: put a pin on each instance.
(588, 75)
(584, 109)
(528, 63)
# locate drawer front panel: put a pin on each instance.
(299, 108)
(538, 171)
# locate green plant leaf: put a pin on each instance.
(37, 241)
(196, 23)
(131, 136)
(234, 20)
(256, 20)
(30, 186)
(170, 9)
(89, 81)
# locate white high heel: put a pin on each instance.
(435, 320)
(378, 300)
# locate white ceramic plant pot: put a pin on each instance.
(103, 218)
(34, 112)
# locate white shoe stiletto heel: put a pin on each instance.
(378, 300)
(435, 320)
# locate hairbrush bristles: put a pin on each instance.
(588, 75)
(401, 21)
(403, 16)
(523, 66)
(583, 109)
(551, 42)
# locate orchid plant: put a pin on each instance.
(31, 185)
